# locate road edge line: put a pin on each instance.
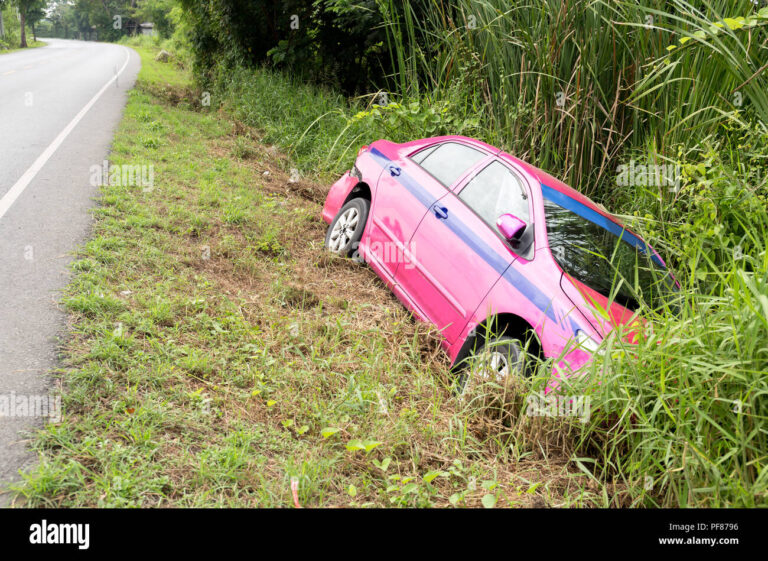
(23, 182)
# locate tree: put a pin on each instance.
(64, 19)
(57, 15)
(110, 18)
(158, 12)
(337, 42)
(35, 13)
(22, 5)
(28, 8)
(2, 25)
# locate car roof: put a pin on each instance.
(538, 174)
(415, 145)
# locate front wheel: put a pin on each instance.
(498, 360)
(346, 230)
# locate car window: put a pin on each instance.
(448, 161)
(419, 156)
(611, 262)
(495, 191)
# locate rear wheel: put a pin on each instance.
(346, 230)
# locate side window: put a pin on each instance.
(448, 161)
(496, 191)
(419, 156)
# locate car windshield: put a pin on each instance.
(604, 256)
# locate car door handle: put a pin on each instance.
(440, 211)
(394, 171)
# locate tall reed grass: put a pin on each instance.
(571, 84)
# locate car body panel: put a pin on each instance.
(337, 195)
(403, 196)
(451, 284)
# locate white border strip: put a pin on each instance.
(18, 188)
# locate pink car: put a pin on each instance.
(496, 253)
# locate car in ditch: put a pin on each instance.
(507, 261)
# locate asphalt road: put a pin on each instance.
(59, 107)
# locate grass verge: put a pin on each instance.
(30, 45)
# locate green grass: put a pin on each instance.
(217, 351)
(30, 45)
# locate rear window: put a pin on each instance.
(448, 161)
(609, 260)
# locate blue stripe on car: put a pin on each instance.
(500, 264)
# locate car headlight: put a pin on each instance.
(586, 342)
(354, 172)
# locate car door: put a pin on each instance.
(456, 254)
(407, 188)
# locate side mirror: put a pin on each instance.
(511, 227)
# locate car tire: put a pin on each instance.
(346, 229)
(495, 360)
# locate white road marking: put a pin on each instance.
(18, 188)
